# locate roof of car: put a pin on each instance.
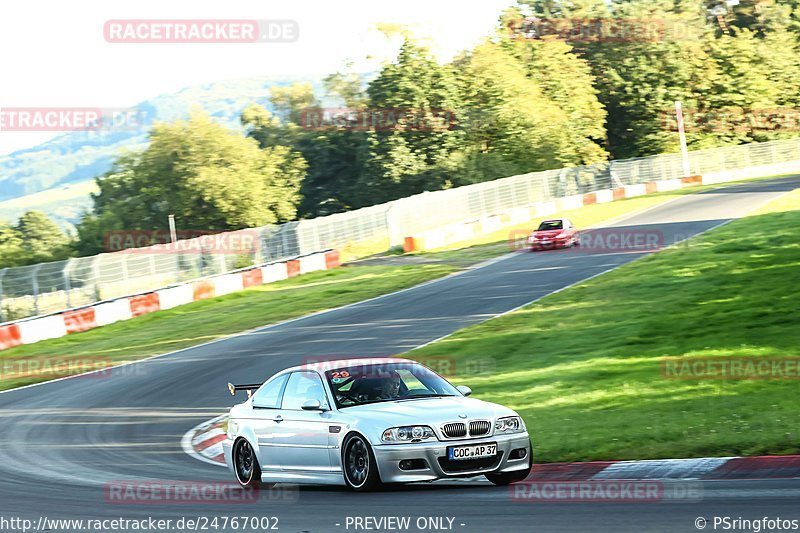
(322, 366)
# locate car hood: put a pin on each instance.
(430, 411)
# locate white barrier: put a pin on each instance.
(312, 263)
(604, 196)
(639, 189)
(175, 296)
(570, 202)
(110, 312)
(227, 284)
(274, 272)
(39, 329)
(668, 185)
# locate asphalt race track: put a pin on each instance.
(62, 441)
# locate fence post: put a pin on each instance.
(35, 287)
(2, 275)
(96, 274)
(67, 286)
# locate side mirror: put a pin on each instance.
(463, 389)
(312, 405)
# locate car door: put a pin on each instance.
(265, 417)
(301, 439)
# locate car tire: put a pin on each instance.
(245, 464)
(358, 464)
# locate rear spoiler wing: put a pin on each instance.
(249, 388)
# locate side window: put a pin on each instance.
(268, 396)
(303, 386)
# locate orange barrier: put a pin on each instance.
(332, 259)
(692, 180)
(144, 303)
(79, 320)
(619, 193)
(409, 245)
(253, 277)
(651, 187)
(293, 268)
(9, 336)
(589, 198)
(203, 290)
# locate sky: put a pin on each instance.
(55, 53)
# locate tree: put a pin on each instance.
(290, 102)
(41, 238)
(209, 177)
(11, 252)
(413, 153)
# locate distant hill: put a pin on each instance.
(55, 176)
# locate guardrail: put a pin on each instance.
(31, 330)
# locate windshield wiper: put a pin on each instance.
(419, 396)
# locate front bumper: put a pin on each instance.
(549, 245)
(388, 457)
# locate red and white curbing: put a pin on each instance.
(33, 330)
(204, 442)
(709, 468)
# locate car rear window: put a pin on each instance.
(550, 225)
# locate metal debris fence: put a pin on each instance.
(48, 287)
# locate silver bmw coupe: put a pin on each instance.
(367, 422)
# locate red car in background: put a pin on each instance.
(556, 233)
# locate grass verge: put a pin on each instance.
(584, 366)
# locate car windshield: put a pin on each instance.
(550, 225)
(357, 385)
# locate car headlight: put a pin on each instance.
(407, 434)
(233, 428)
(509, 424)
